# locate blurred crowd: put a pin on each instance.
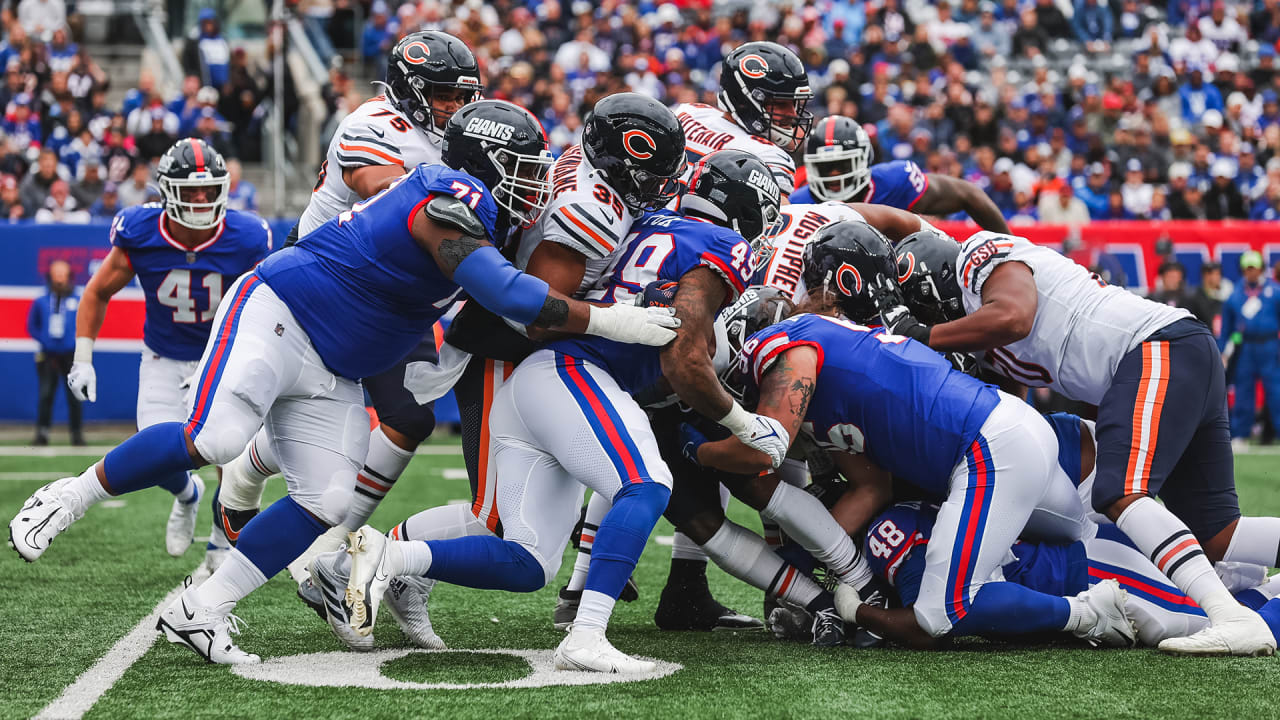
(1063, 111)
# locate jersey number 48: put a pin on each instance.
(175, 292)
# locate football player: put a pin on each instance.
(629, 163)
(986, 456)
(430, 75)
(295, 336)
(1044, 320)
(839, 164)
(185, 251)
(1159, 610)
(601, 438)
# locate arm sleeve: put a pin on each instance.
(491, 280)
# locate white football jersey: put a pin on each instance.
(1082, 328)
(584, 214)
(707, 130)
(797, 226)
(376, 133)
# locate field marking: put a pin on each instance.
(100, 450)
(348, 669)
(78, 697)
(37, 475)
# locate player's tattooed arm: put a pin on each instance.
(1007, 314)
(112, 275)
(686, 362)
(785, 393)
(452, 251)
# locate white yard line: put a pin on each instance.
(100, 450)
(78, 697)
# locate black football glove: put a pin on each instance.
(898, 320)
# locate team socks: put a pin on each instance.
(623, 534)
(159, 451)
(382, 467)
(747, 556)
(234, 580)
(597, 507)
(594, 610)
(808, 523)
(439, 523)
(1165, 539)
(1255, 541)
(181, 486)
(244, 478)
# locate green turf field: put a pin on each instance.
(110, 570)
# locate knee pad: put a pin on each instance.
(932, 620)
(223, 440)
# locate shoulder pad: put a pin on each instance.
(455, 214)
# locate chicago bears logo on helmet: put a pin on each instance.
(635, 151)
(906, 266)
(857, 279)
(416, 52)
(761, 66)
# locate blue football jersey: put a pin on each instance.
(884, 395)
(184, 286)
(661, 246)
(895, 550)
(360, 285)
(899, 184)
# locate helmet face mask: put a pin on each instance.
(788, 116)
(524, 188)
(765, 88)
(838, 160)
(194, 183)
(756, 308)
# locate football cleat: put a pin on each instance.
(589, 650)
(1244, 634)
(407, 599)
(369, 578)
(679, 609)
(828, 628)
(331, 540)
(44, 515)
(566, 608)
(181, 528)
(788, 622)
(206, 631)
(310, 596)
(1113, 627)
(329, 578)
(231, 521)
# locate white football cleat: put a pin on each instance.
(1244, 634)
(206, 631)
(332, 539)
(181, 528)
(1113, 628)
(588, 649)
(407, 598)
(329, 577)
(44, 515)
(369, 578)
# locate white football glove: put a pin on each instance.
(83, 381)
(768, 436)
(635, 325)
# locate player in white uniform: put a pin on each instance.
(761, 110)
(184, 252)
(629, 162)
(1154, 373)
(430, 75)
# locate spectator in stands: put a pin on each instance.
(21, 123)
(1135, 190)
(153, 143)
(61, 207)
(206, 52)
(241, 194)
(207, 129)
(90, 182)
(62, 52)
(140, 94)
(137, 189)
(1206, 301)
(36, 186)
(179, 105)
(1250, 179)
(1051, 19)
(1221, 28)
(1092, 23)
(11, 208)
(1096, 191)
(1250, 323)
(1172, 285)
(51, 322)
(1063, 207)
(376, 40)
(1031, 38)
(39, 18)
(1190, 203)
(991, 38)
(1197, 95)
(107, 204)
(1024, 211)
(1267, 207)
(1223, 199)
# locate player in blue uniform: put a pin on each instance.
(987, 457)
(184, 252)
(839, 166)
(295, 337)
(600, 437)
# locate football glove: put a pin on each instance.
(659, 293)
(898, 320)
(690, 440)
(83, 381)
(634, 325)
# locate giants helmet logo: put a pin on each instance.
(637, 151)
(761, 66)
(416, 52)
(857, 279)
